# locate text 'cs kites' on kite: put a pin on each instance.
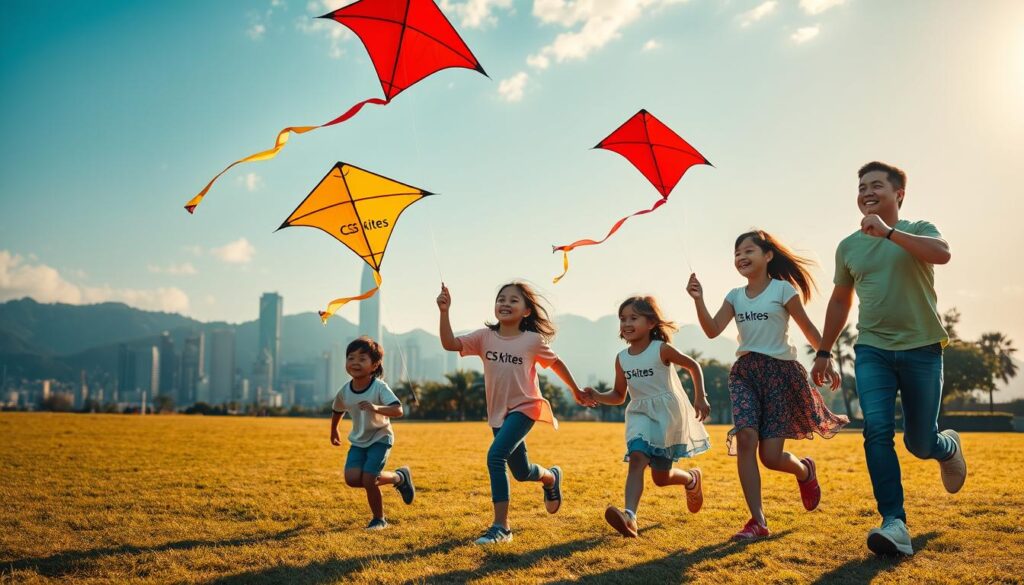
(657, 152)
(407, 40)
(359, 209)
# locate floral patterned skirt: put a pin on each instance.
(776, 398)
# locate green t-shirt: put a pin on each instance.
(896, 290)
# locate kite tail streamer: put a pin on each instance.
(333, 306)
(568, 248)
(282, 138)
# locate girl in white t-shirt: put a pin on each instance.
(371, 405)
(661, 425)
(772, 399)
(511, 350)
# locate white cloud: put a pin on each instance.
(20, 278)
(251, 181)
(511, 89)
(814, 7)
(183, 269)
(476, 13)
(256, 31)
(598, 22)
(651, 45)
(757, 13)
(238, 252)
(805, 34)
(335, 33)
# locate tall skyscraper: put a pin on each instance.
(222, 365)
(369, 309)
(271, 305)
(191, 368)
(169, 369)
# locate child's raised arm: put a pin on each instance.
(712, 326)
(617, 395)
(448, 339)
(671, 355)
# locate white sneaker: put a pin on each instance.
(891, 539)
(954, 469)
(494, 535)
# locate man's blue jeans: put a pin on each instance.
(917, 375)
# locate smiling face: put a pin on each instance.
(750, 260)
(510, 306)
(877, 195)
(633, 326)
(359, 364)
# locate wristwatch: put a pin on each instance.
(888, 236)
(823, 354)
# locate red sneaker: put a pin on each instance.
(810, 491)
(695, 495)
(752, 530)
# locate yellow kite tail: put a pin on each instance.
(333, 306)
(282, 138)
(565, 266)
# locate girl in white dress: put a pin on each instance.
(661, 425)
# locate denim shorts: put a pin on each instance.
(641, 446)
(370, 459)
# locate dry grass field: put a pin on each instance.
(176, 499)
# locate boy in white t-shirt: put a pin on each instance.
(370, 404)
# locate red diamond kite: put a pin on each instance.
(660, 155)
(407, 40)
(359, 209)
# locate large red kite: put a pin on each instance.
(661, 155)
(407, 40)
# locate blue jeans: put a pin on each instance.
(509, 448)
(917, 375)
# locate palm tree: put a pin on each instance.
(460, 384)
(999, 350)
(844, 356)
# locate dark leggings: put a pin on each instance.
(509, 448)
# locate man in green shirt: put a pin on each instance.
(889, 262)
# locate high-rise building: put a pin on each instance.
(222, 365)
(169, 369)
(191, 368)
(369, 309)
(271, 305)
(125, 383)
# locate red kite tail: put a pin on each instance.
(568, 248)
(282, 138)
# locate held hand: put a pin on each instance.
(693, 287)
(585, 397)
(335, 438)
(823, 372)
(873, 225)
(703, 408)
(367, 406)
(444, 300)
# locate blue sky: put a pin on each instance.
(116, 113)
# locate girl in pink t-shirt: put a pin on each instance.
(511, 349)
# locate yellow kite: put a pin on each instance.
(359, 209)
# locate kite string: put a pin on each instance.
(419, 166)
(404, 367)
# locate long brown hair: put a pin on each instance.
(538, 320)
(648, 307)
(785, 264)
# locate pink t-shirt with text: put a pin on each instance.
(510, 373)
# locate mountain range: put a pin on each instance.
(59, 341)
